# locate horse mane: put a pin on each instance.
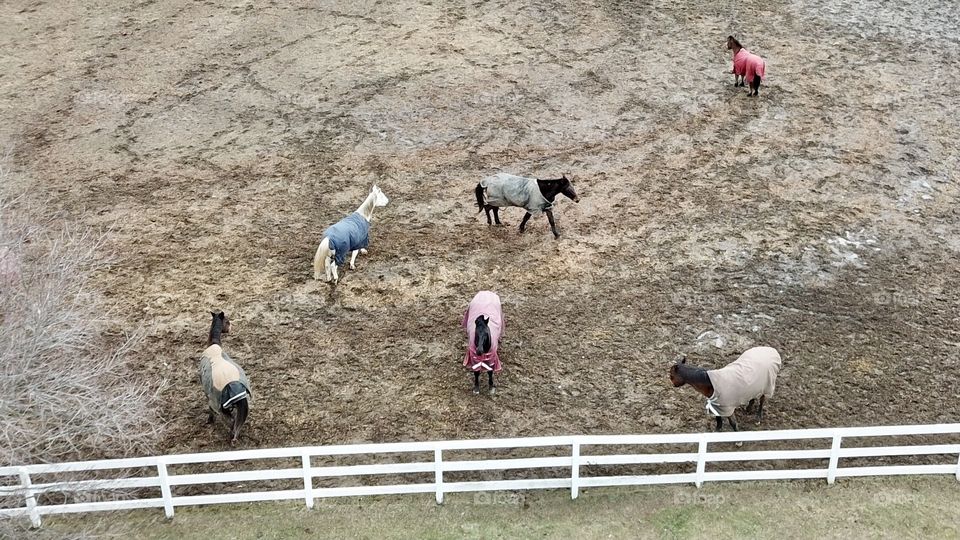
(481, 340)
(366, 207)
(735, 42)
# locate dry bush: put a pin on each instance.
(65, 388)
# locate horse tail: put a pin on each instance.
(322, 259)
(481, 340)
(479, 193)
(235, 397)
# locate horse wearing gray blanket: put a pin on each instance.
(533, 195)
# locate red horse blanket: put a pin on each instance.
(749, 65)
(488, 304)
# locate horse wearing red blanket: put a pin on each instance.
(746, 67)
(483, 321)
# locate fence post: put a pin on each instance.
(701, 460)
(575, 471)
(834, 459)
(165, 488)
(307, 480)
(29, 498)
(438, 473)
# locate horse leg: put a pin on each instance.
(553, 225)
(209, 415)
(476, 382)
(496, 216)
(732, 419)
(523, 223)
(353, 259)
(719, 423)
(760, 410)
(493, 388)
(750, 405)
(333, 270)
(486, 210)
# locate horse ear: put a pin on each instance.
(684, 359)
(221, 315)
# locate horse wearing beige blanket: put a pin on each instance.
(748, 380)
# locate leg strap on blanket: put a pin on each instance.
(711, 406)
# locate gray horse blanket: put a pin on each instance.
(349, 234)
(504, 189)
(750, 376)
(217, 370)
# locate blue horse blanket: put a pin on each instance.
(349, 234)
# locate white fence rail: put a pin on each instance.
(20, 482)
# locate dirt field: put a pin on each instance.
(220, 142)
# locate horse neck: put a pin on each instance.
(366, 209)
(549, 188)
(736, 49)
(697, 378)
(215, 330)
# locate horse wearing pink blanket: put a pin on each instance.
(483, 321)
(746, 67)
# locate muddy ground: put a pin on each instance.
(220, 141)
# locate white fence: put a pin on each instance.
(574, 457)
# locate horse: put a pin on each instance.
(750, 379)
(483, 321)
(350, 234)
(746, 65)
(534, 195)
(224, 382)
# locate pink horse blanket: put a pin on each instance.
(488, 304)
(749, 65)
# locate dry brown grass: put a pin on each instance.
(65, 356)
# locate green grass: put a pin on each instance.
(852, 508)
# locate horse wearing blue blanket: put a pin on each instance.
(349, 235)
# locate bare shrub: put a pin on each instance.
(65, 388)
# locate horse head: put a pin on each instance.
(481, 340)
(380, 198)
(223, 320)
(675, 377)
(732, 43)
(567, 189)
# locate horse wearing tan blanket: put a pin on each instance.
(748, 380)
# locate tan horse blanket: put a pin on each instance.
(217, 370)
(750, 376)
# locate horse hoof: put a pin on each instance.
(476, 390)
(493, 390)
(739, 444)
